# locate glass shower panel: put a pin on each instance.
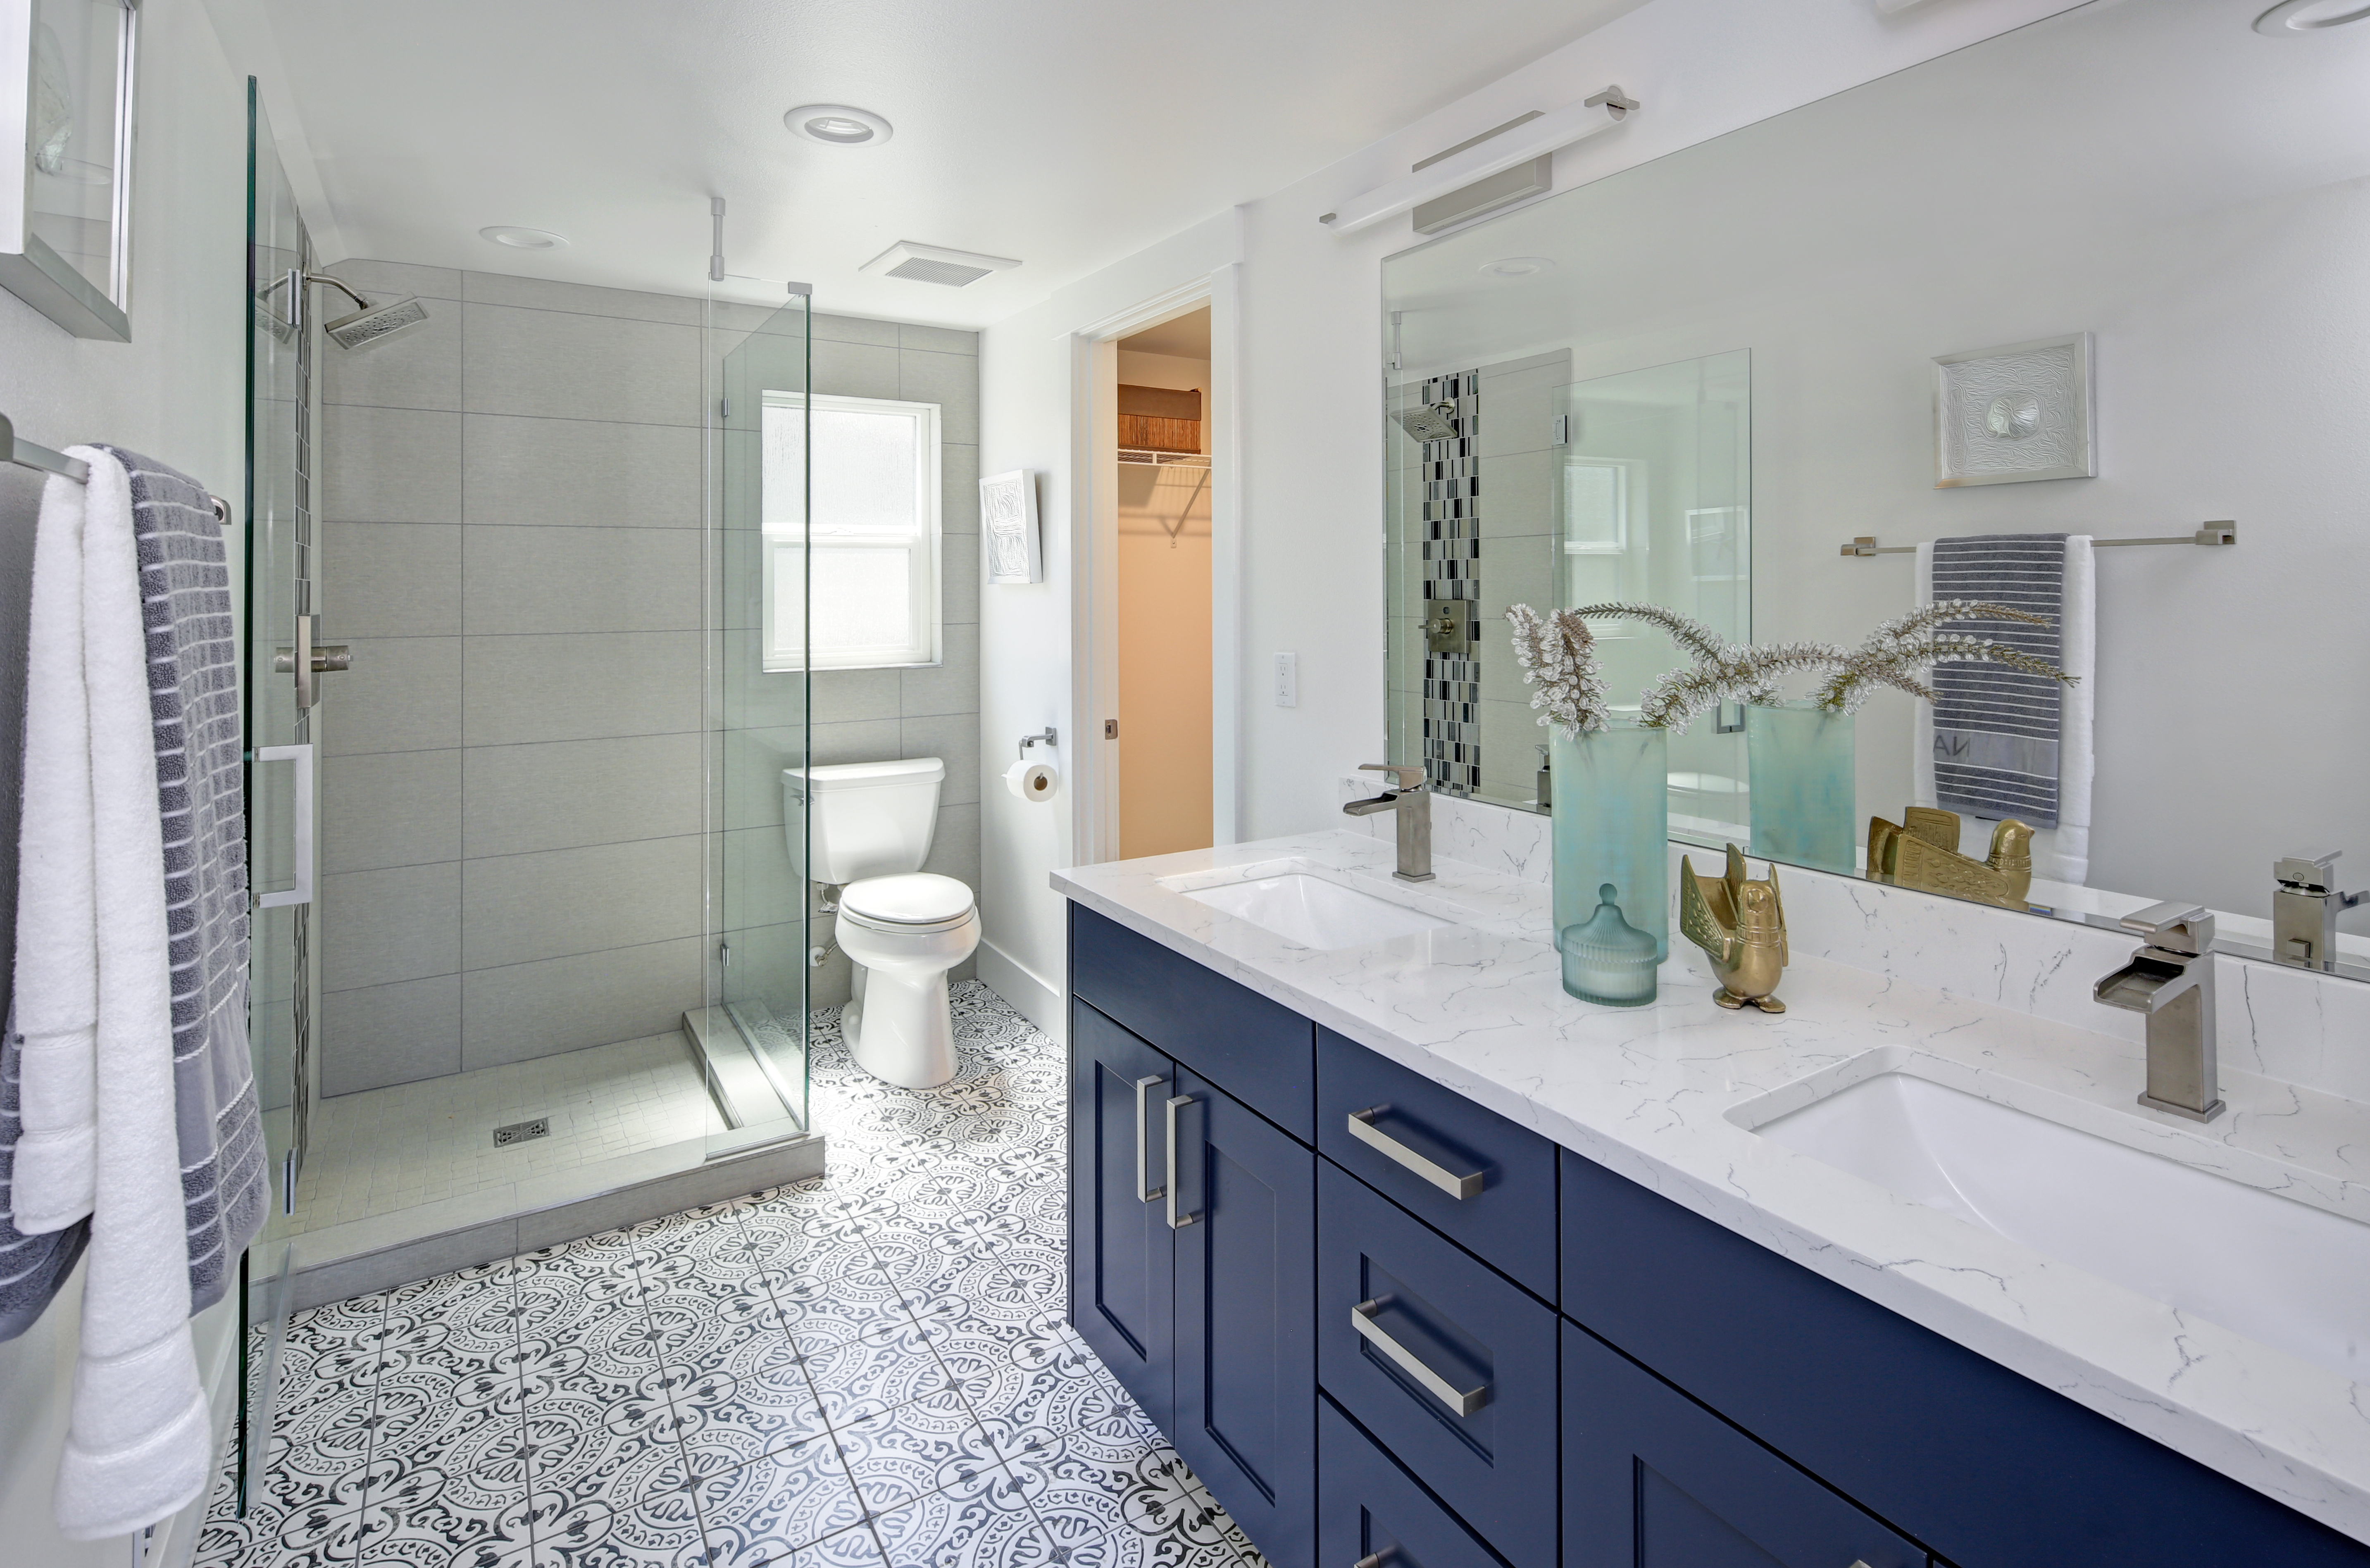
(1653, 499)
(761, 910)
(277, 590)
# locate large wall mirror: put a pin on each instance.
(2097, 281)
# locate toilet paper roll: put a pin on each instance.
(1031, 781)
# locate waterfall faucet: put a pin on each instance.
(1412, 803)
(2170, 982)
(2305, 909)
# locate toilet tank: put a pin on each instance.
(862, 819)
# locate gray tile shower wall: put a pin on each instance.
(511, 516)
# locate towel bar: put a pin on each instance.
(30, 454)
(2209, 533)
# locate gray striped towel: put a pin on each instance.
(1996, 730)
(193, 698)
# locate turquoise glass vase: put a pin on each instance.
(1801, 760)
(1612, 861)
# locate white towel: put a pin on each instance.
(2061, 854)
(139, 1441)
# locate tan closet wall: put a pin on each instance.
(1164, 634)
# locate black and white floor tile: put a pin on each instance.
(869, 1370)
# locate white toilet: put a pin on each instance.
(869, 827)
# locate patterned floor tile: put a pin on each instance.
(865, 1370)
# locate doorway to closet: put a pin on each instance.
(1162, 489)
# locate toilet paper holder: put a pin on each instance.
(1047, 736)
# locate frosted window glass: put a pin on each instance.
(867, 596)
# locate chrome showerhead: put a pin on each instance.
(375, 324)
(1436, 423)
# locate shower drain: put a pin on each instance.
(519, 1132)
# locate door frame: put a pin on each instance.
(1094, 578)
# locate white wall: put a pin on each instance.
(1311, 468)
(174, 392)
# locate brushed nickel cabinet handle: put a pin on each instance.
(1376, 1558)
(1176, 1221)
(1362, 1128)
(1464, 1402)
(1143, 1187)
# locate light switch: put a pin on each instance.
(1287, 680)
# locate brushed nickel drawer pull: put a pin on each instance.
(1362, 1128)
(1376, 1558)
(1176, 1221)
(1143, 1187)
(1464, 1402)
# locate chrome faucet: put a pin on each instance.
(1412, 802)
(2171, 981)
(2305, 909)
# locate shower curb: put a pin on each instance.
(316, 1283)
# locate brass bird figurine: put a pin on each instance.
(1922, 852)
(1742, 926)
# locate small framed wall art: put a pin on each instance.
(65, 216)
(1008, 521)
(2022, 411)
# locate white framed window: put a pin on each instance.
(872, 542)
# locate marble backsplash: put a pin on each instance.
(2287, 1024)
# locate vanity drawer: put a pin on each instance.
(1470, 1171)
(1451, 1367)
(1368, 1508)
(1260, 1051)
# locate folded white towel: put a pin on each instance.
(139, 1442)
(57, 953)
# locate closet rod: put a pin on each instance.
(2210, 533)
(31, 454)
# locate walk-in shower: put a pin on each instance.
(529, 959)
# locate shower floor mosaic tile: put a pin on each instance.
(868, 1370)
(384, 1150)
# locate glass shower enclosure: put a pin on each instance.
(514, 1127)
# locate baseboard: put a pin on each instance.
(1039, 1000)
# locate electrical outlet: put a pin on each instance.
(1287, 680)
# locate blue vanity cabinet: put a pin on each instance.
(1652, 1480)
(1448, 1364)
(1369, 1509)
(1982, 1465)
(1245, 1378)
(1122, 1263)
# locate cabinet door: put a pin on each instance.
(1246, 1318)
(1371, 1510)
(1123, 1271)
(1652, 1480)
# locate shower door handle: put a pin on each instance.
(309, 659)
(303, 892)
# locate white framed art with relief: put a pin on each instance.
(2020, 411)
(1007, 523)
(66, 74)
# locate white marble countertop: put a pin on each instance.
(1648, 1092)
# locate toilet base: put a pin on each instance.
(899, 1029)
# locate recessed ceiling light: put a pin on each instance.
(523, 239)
(2290, 17)
(1517, 266)
(838, 125)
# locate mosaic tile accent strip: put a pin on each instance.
(1449, 475)
(868, 1370)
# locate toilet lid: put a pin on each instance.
(911, 900)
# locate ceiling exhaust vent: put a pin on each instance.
(935, 264)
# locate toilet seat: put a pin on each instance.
(909, 902)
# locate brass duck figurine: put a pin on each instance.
(1741, 925)
(1922, 852)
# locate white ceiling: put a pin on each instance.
(1067, 133)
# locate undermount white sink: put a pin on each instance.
(1315, 912)
(2275, 1270)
